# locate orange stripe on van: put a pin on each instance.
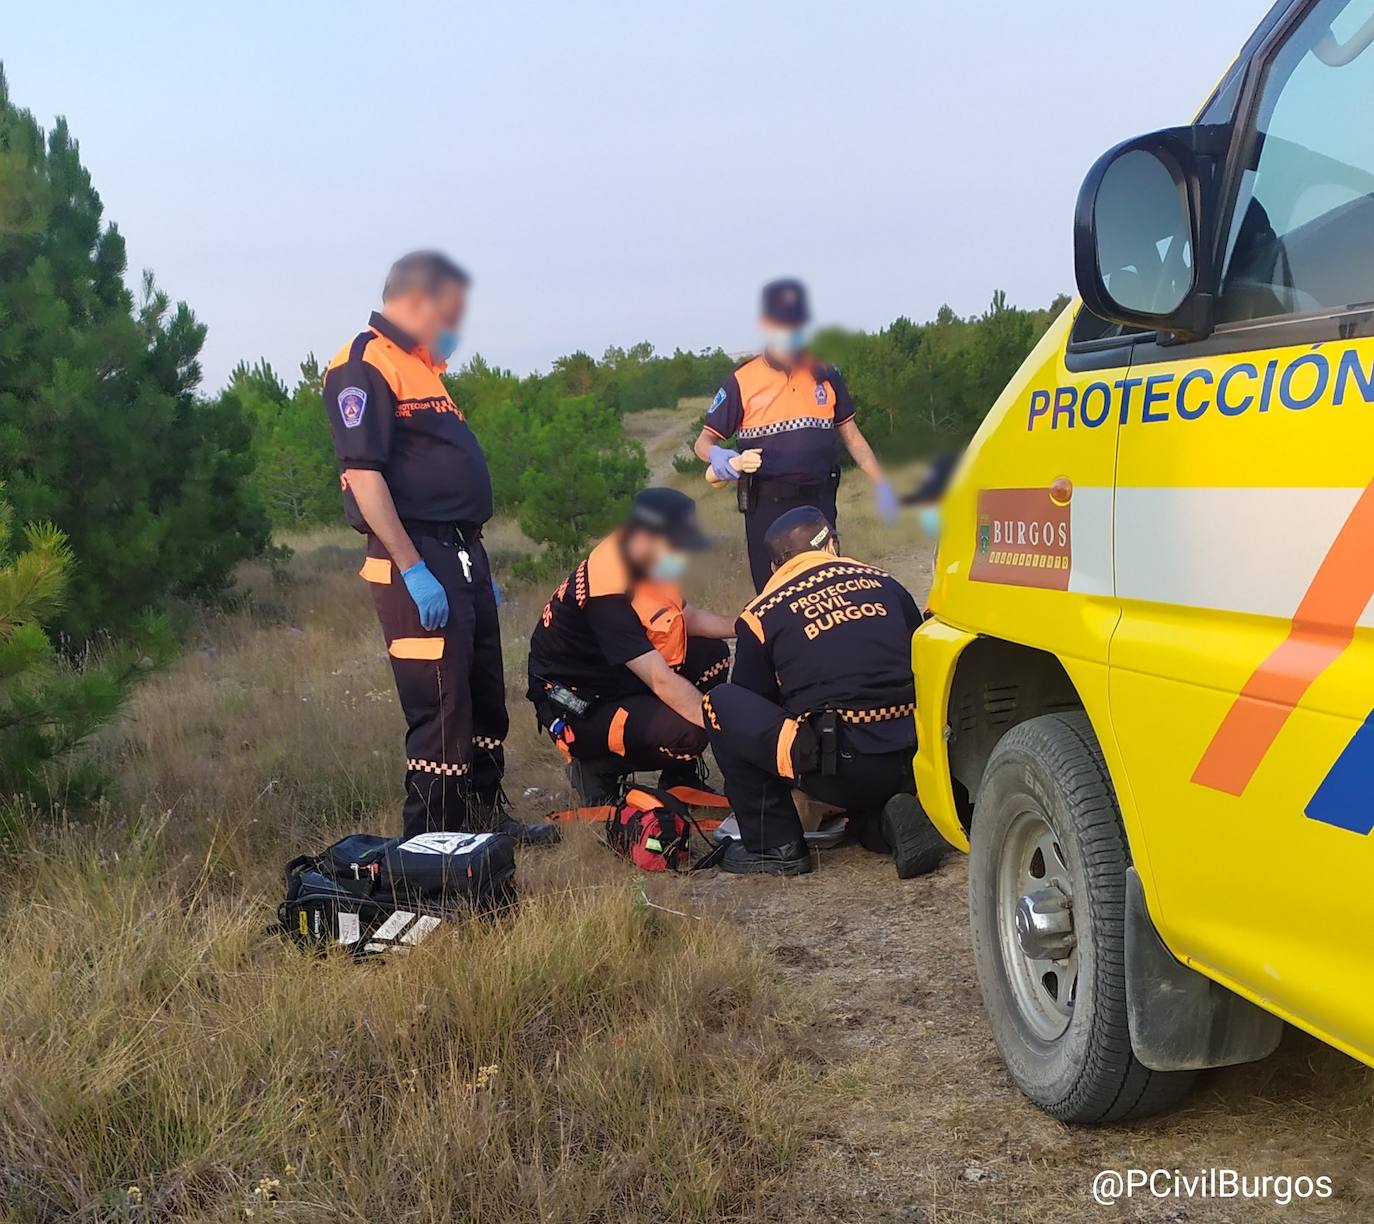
(1323, 627)
(417, 648)
(615, 736)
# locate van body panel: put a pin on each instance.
(1242, 669)
(935, 651)
(1187, 527)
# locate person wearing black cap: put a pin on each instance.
(790, 407)
(415, 482)
(619, 659)
(821, 700)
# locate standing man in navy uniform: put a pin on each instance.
(790, 406)
(416, 483)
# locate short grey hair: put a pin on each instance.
(426, 271)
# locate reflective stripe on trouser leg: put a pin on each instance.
(639, 732)
(487, 680)
(749, 736)
(434, 693)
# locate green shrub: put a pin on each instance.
(47, 704)
(101, 432)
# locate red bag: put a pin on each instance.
(651, 828)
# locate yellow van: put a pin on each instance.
(1146, 696)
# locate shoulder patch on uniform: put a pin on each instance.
(352, 405)
(718, 401)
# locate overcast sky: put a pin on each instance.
(610, 172)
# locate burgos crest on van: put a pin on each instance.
(1024, 539)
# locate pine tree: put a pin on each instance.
(47, 704)
(101, 432)
(294, 469)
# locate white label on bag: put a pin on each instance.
(394, 925)
(350, 929)
(444, 843)
(423, 926)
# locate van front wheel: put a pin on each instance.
(1047, 896)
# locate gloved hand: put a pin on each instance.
(428, 593)
(886, 501)
(720, 463)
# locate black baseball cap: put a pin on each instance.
(671, 514)
(784, 301)
(801, 529)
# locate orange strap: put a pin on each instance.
(693, 797)
(582, 815)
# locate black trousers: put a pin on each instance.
(451, 682)
(640, 732)
(764, 754)
(774, 497)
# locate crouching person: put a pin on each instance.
(822, 700)
(619, 638)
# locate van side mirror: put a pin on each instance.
(1143, 247)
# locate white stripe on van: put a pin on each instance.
(1249, 550)
(1090, 533)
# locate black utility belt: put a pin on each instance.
(876, 714)
(463, 533)
(751, 487)
(796, 482)
(821, 736)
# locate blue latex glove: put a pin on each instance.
(886, 501)
(428, 594)
(720, 463)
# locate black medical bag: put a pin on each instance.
(372, 894)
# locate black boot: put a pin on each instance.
(489, 812)
(596, 781)
(917, 848)
(789, 860)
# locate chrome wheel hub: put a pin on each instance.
(1044, 925)
(1036, 925)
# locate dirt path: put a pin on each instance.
(928, 1126)
(922, 1123)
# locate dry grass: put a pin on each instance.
(161, 1058)
(801, 1051)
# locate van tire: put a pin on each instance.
(1047, 797)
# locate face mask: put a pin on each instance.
(445, 343)
(928, 517)
(669, 568)
(787, 341)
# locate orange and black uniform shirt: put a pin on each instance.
(790, 415)
(830, 633)
(389, 412)
(600, 618)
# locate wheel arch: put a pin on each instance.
(997, 685)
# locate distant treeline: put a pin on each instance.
(559, 459)
(156, 491)
(920, 387)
